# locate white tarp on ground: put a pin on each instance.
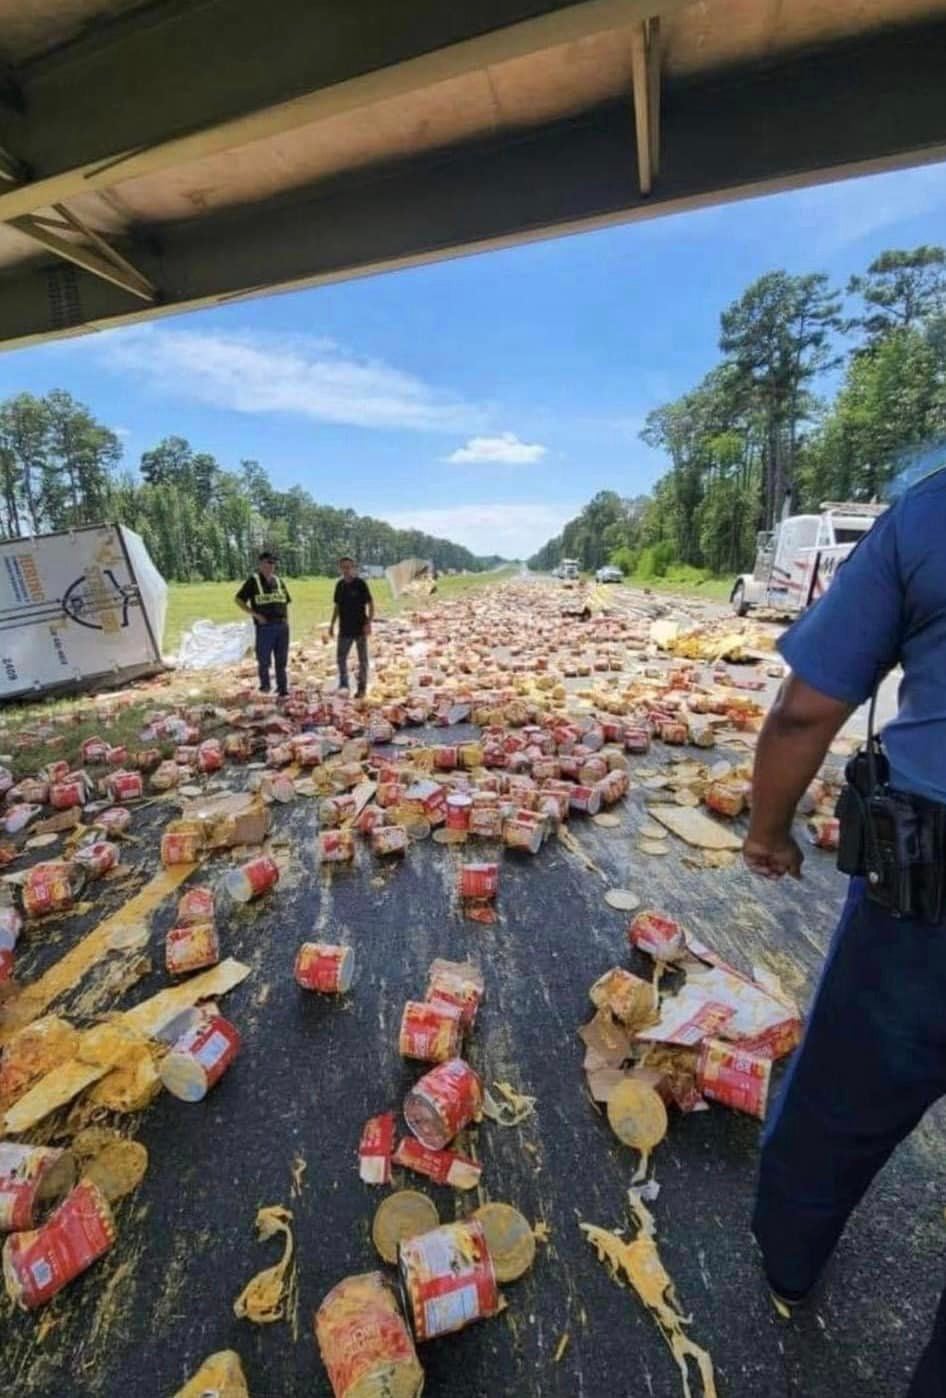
(210, 643)
(83, 605)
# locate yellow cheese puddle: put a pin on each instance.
(69, 970)
(271, 1294)
(639, 1262)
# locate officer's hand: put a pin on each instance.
(367, 629)
(772, 858)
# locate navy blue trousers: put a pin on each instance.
(272, 645)
(872, 1061)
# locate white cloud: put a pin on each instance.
(300, 375)
(123, 432)
(514, 530)
(506, 449)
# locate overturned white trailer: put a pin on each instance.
(78, 608)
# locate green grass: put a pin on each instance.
(60, 725)
(715, 589)
(311, 601)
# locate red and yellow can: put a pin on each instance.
(430, 1030)
(364, 1341)
(447, 1279)
(444, 1101)
(325, 967)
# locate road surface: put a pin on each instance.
(313, 1070)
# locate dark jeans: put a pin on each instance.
(872, 1061)
(345, 644)
(272, 644)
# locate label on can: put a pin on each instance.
(448, 1279)
(262, 873)
(191, 948)
(430, 1031)
(196, 905)
(478, 880)
(49, 888)
(324, 967)
(181, 847)
(444, 1101)
(38, 1264)
(658, 935)
(459, 807)
(362, 1336)
(441, 1166)
(125, 786)
(375, 1149)
(727, 1074)
(200, 1058)
(22, 1169)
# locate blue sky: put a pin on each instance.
(484, 399)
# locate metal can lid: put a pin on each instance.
(400, 1216)
(509, 1238)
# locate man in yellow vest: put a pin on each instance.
(265, 598)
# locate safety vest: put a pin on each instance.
(278, 593)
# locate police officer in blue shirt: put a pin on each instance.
(873, 1058)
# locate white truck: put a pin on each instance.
(79, 607)
(568, 570)
(796, 562)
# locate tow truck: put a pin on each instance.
(797, 562)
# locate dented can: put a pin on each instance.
(336, 846)
(31, 1175)
(522, 834)
(114, 821)
(728, 1074)
(38, 1264)
(445, 1100)
(191, 948)
(364, 1341)
(182, 846)
(459, 810)
(325, 967)
(430, 1030)
(637, 739)
(51, 888)
(199, 1059)
(389, 839)
(486, 822)
(658, 935)
(447, 1279)
(586, 799)
(96, 859)
(674, 733)
(210, 756)
(62, 795)
(125, 786)
(255, 877)
(196, 905)
(459, 984)
(478, 880)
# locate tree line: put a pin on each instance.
(754, 438)
(60, 468)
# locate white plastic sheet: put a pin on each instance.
(209, 643)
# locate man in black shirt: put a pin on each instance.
(354, 612)
(265, 598)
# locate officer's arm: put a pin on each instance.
(245, 606)
(793, 743)
(370, 604)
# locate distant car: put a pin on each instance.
(608, 574)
